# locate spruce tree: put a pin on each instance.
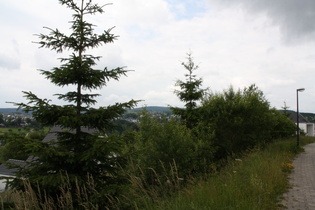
(77, 153)
(190, 93)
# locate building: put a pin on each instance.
(304, 125)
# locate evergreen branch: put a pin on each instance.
(70, 4)
(59, 42)
(73, 97)
(93, 9)
(56, 40)
(32, 99)
(114, 73)
(42, 111)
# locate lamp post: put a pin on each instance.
(297, 116)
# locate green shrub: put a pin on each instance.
(242, 120)
(161, 144)
(256, 181)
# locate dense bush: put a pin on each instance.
(242, 119)
(230, 123)
(164, 145)
(163, 157)
(283, 127)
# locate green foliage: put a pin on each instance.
(1, 118)
(205, 149)
(253, 182)
(163, 155)
(283, 126)
(243, 119)
(160, 145)
(13, 148)
(190, 93)
(74, 152)
(123, 126)
(165, 143)
(15, 144)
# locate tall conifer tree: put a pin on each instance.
(76, 152)
(190, 93)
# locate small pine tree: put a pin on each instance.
(190, 93)
(75, 154)
(285, 109)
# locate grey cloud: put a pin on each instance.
(9, 63)
(10, 56)
(295, 18)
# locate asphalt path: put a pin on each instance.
(302, 179)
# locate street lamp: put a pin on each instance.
(297, 116)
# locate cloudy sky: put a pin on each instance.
(235, 43)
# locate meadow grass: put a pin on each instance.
(255, 181)
(34, 200)
(15, 130)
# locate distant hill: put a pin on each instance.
(10, 110)
(148, 108)
(153, 109)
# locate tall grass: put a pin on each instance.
(256, 181)
(144, 192)
(33, 199)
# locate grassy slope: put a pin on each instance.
(4, 130)
(255, 182)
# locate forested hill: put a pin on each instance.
(148, 108)
(10, 110)
(153, 109)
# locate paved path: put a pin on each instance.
(302, 194)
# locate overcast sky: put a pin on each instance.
(235, 43)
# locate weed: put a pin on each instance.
(256, 182)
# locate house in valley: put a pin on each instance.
(304, 125)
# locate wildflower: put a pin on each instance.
(287, 167)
